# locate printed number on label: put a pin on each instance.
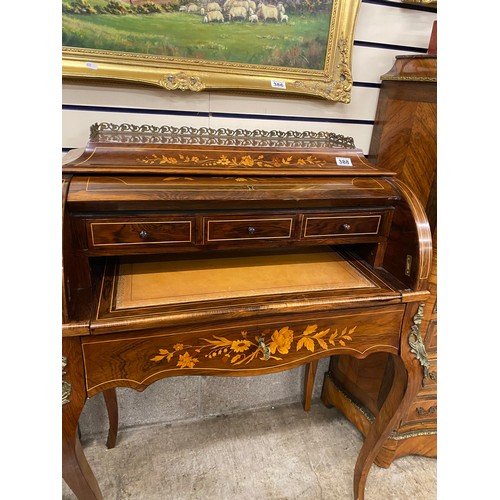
(344, 162)
(278, 84)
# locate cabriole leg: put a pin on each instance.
(407, 378)
(309, 383)
(76, 470)
(381, 428)
(112, 408)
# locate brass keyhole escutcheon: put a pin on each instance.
(265, 349)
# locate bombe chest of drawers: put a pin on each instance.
(234, 253)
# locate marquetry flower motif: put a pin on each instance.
(161, 160)
(281, 340)
(240, 345)
(163, 354)
(246, 160)
(186, 361)
(244, 349)
(278, 162)
(341, 338)
(224, 160)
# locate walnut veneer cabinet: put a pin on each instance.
(229, 253)
(404, 139)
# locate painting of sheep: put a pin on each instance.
(193, 8)
(211, 6)
(275, 33)
(267, 12)
(213, 16)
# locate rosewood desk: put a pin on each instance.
(231, 253)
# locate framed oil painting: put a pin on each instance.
(281, 46)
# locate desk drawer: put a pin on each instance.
(104, 233)
(252, 347)
(327, 226)
(227, 229)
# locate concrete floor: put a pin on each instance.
(273, 453)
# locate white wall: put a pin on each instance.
(384, 29)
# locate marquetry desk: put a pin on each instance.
(231, 253)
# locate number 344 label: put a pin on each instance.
(343, 162)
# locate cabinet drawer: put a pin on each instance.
(248, 228)
(422, 411)
(139, 232)
(326, 226)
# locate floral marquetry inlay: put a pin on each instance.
(247, 160)
(244, 349)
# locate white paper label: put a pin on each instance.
(91, 65)
(343, 162)
(278, 84)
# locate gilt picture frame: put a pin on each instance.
(278, 46)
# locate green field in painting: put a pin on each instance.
(300, 43)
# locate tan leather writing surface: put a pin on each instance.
(180, 280)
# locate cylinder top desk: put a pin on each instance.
(228, 253)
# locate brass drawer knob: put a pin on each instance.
(143, 234)
(346, 227)
(251, 230)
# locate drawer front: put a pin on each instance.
(327, 226)
(140, 232)
(242, 348)
(422, 410)
(248, 228)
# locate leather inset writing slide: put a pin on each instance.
(179, 280)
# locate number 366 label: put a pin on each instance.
(343, 162)
(278, 84)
